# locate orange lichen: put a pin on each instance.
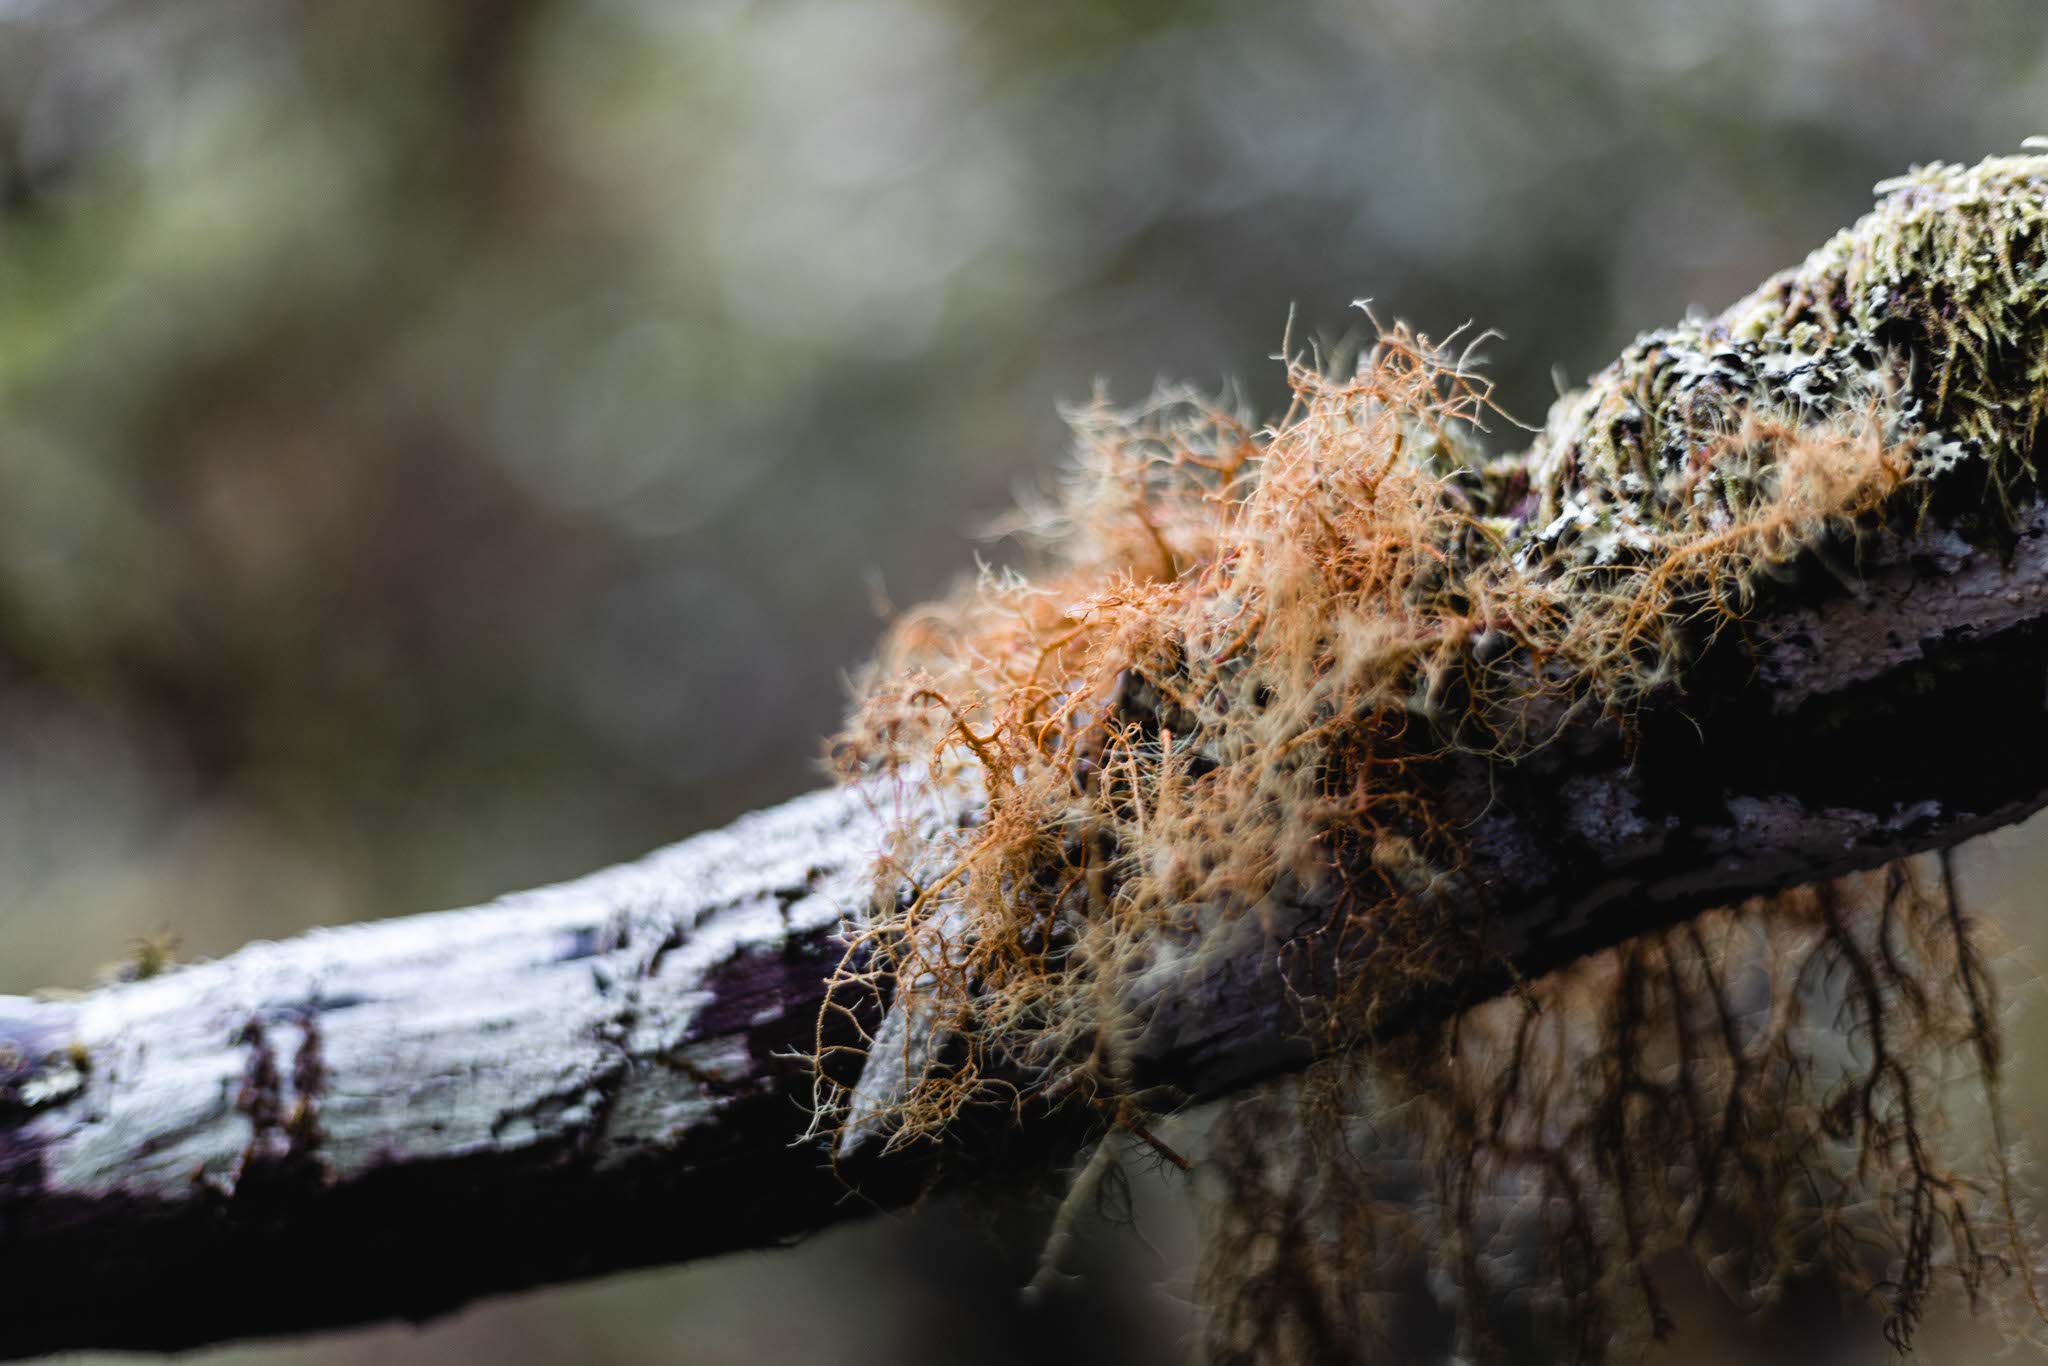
(1248, 643)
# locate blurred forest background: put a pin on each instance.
(449, 446)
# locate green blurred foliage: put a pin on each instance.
(446, 446)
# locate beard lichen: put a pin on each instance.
(1224, 692)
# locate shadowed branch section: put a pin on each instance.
(394, 1119)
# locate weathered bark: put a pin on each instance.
(396, 1118)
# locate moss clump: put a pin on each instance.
(1247, 643)
(1924, 319)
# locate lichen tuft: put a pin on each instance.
(1246, 644)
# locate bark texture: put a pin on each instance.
(393, 1119)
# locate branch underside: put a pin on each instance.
(393, 1119)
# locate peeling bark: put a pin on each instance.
(395, 1118)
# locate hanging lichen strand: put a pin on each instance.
(1246, 648)
(1759, 1092)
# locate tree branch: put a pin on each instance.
(395, 1118)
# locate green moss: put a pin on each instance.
(1924, 321)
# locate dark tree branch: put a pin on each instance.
(397, 1118)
